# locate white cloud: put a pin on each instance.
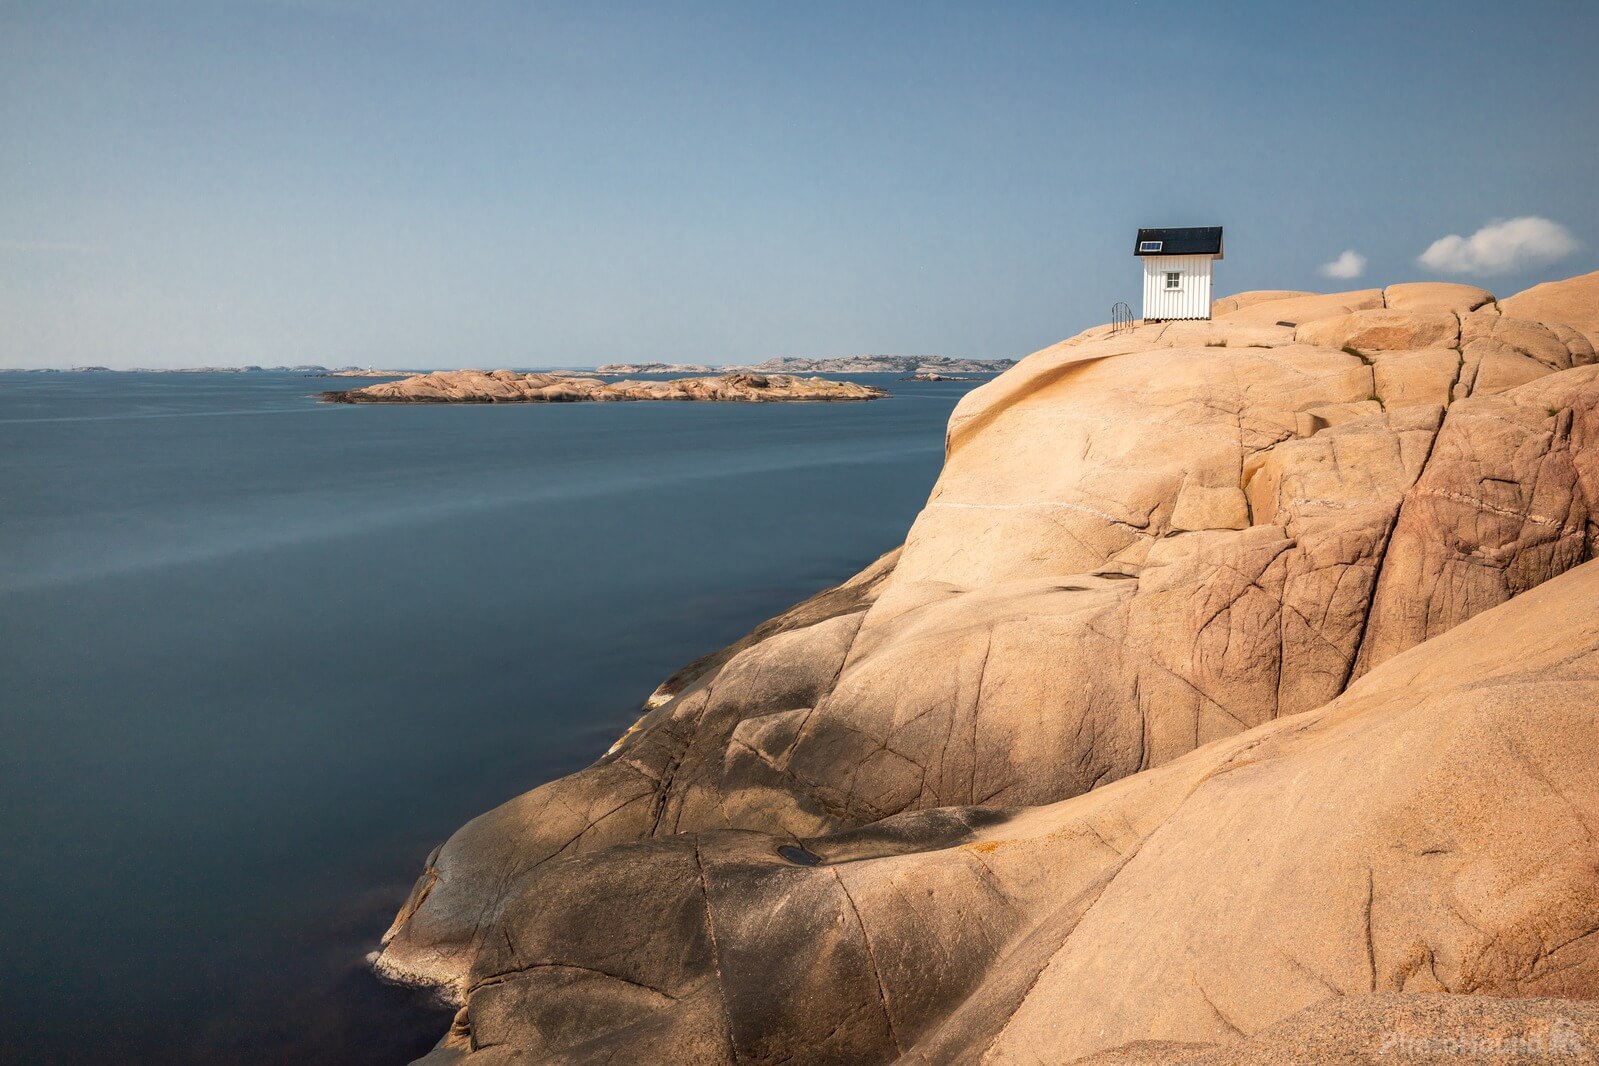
(1500, 247)
(1351, 264)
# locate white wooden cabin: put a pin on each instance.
(1177, 271)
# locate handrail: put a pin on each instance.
(1121, 317)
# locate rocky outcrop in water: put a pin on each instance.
(1234, 695)
(933, 375)
(508, 386)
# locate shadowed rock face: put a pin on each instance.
(1228, 673)
(507, 386)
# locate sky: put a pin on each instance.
(516, 184)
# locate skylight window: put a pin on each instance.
(1150, 246)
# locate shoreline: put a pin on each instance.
(506, 386)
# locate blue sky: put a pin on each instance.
(511, 184)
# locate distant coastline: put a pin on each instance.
(853, 364)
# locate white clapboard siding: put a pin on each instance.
(1190, 300)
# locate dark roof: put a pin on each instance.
(1196, 240)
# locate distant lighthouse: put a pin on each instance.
(1177, 271)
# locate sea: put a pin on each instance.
(260, 654)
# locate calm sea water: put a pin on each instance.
(258, 655)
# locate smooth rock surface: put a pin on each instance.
(1429, 831)
(1381, 329)
(1398, 1028)
(1572, 302)
(1299, 309)
(1224, 676)
(1241, 300)
(1436, 296)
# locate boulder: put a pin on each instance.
(1573, 302)
(1381, 329)
(1436, 296)
(1499, 352)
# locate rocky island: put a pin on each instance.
(509, 386)
(1233, 699)
(933, 375)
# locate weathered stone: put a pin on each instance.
(1412, 1028)
(1239, 301)
(1223, 676)
(1509, 499)
(1436, 296)
(1406, 378)
(1573, 302)
(1427, 832)
(1500, 352)
(1380, 329)
(1211, 334)
(1297, 310)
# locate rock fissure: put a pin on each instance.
(871, 957)
(716, 953)
(1332, 666)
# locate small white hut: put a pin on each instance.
(1177, 271)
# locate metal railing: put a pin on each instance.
(1121, 317)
